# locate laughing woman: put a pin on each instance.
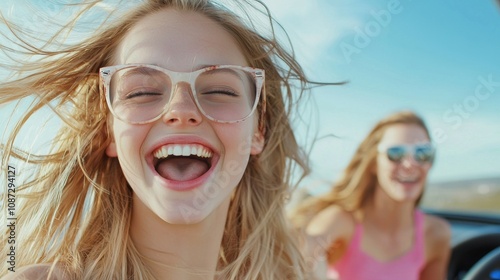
(174, 156)
(369, 227)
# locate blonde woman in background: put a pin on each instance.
(368, 226)
(175, 152)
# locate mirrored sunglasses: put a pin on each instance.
(422, 154)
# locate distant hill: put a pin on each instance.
(479, 195)
(467, 183)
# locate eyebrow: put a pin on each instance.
(140, 70)
(144, 70)
(199, 67)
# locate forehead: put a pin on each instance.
(404, 134)
(180, 41)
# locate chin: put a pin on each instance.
(186, 216)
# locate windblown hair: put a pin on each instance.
(75, 211)
(357, 184)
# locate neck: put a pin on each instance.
(173, 251)
(389, 214)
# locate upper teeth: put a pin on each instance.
(182, 150)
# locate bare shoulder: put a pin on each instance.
(437, 230)
(437, 237)
(330, 226)
(36, 272)
(332, 220)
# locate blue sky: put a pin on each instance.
(438, 58)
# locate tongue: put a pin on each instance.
(181, 168)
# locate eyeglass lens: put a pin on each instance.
(421, 154)
(139, 94)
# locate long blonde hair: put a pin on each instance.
(75, 211)
(356, 185)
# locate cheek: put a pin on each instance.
(128, 140)
(237, 139)
(238, 145)
(384, 172)
(384, 168)
(125, 137)
(127, 134)
(425, 169)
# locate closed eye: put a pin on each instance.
(223, 92)
(141, 93)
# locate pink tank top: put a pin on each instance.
(357, 265)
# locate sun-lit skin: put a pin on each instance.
(172, 219)
(404, 181)
(387, 217)
(165, 40)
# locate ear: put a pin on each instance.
(111, 149)
(257, 143)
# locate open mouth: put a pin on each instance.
(182, 162)
(407, 179)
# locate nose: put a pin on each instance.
(182, 109)
(409, 161)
